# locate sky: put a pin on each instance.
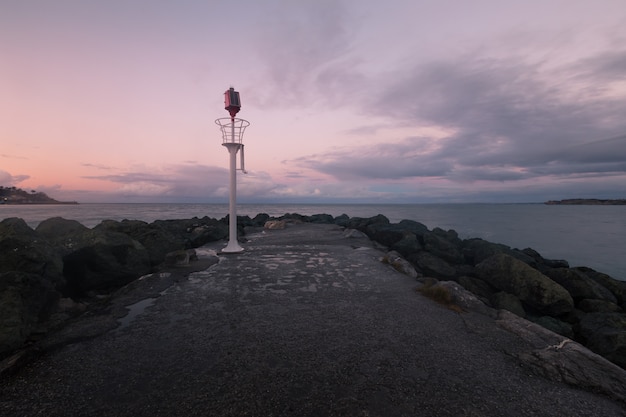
(355, 101)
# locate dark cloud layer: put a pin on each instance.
(512, 121)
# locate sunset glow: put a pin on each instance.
(349, 101)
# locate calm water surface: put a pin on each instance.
(593, 236)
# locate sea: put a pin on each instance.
(583, 235)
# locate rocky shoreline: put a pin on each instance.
(587, 202)
(62, 269)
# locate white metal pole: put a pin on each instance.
(233, 244)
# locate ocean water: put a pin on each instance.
(593, 236)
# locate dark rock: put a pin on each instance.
(605, 334)
(534, 289)
(61, 231)
(400, 264)
(505, 301)
(617, 287)
(407, 245)
(477, 250)
(445, 245)
(555, 325)
(430, 264)
(321, 218)
(195, 232)
(180, 257)
(417, 228)
(468, 301)
(542, 263)
(342, 220)
(564, 360)
(260, 219)
(25, 301)
(579, 285)
(384, 233)
(361, 223)
(157, 240)
(23, 249)
(477, 286)
(104, 260)
(598, 306)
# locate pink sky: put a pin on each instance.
(368, 101)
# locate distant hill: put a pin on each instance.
(588, 201)
(14, 195)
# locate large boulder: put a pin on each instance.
(605, 334)
(617, 287)
(361, 223)
(195, 232)
(26, 300)
(579, 285)
(543, 264)
(432, 265)
(477, 250)
(105, 260)
(445, 245)
(407, 245)
(534, 289)
(23, 249)
(95, 259)
(158, 241)
(562, 359)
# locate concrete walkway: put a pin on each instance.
(305, 322)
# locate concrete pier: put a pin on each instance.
(305, 322)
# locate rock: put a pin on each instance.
(99, 258)
(275, 224)
(466, 300)
(260, 219)
(408, 245)
(617, 287)
(561, 359)
(598, 306)
(417, 228)
(579, 285)
(477, 287)
(505, 301)
(354, 234)
(157, 240)
(477, 250)
(544, 264)
(361, 224)
(532, 287)
(25, 301)
(61, 231)
(400, 264)
(444, 245)
(384, 233)
(605, 334)
(180, 257)
(104, 260)
(195, 232)
(430, 264)
(555, 325)
(321, 218)
(342, 220)
(23, 249)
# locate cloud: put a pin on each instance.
(6, 179)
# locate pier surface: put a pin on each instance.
(307, 321)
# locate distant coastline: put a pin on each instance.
(17, 196)
(588, 201)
